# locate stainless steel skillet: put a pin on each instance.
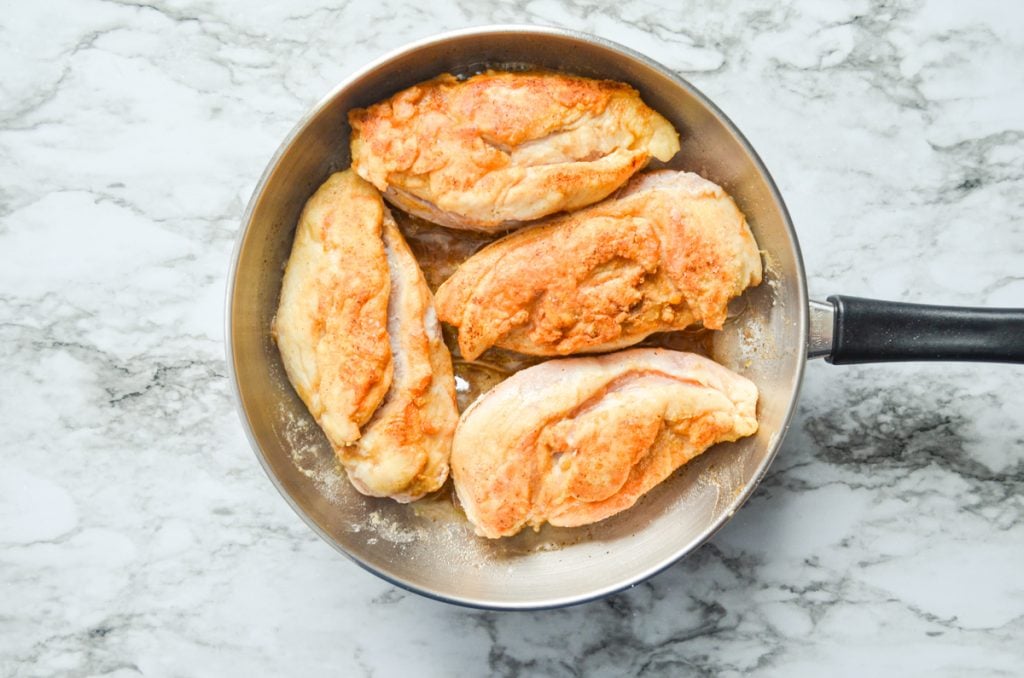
(425, 547)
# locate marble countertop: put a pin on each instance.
(138, 535)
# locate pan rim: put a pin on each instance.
(246, 222)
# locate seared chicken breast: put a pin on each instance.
(574, 441)
(331, 323)
(498, 149)
(671, 250)
(403, 452)
(362, 346)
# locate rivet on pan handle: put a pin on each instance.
(849, 330)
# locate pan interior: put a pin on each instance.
(425, 546)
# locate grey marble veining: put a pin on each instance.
(138, 536)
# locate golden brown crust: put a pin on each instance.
(361, 343)
(670, 251)
(577, 440)
(403, 452)
(331, 323)
(499, 148)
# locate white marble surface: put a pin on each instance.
(138, 536)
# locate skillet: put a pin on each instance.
(425, 547)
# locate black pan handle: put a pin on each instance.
(872, 331)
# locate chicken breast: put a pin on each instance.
(331, 322)
(498, 149)
(574, 441)
(362, 346)
(671, 250)
(403, 452)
